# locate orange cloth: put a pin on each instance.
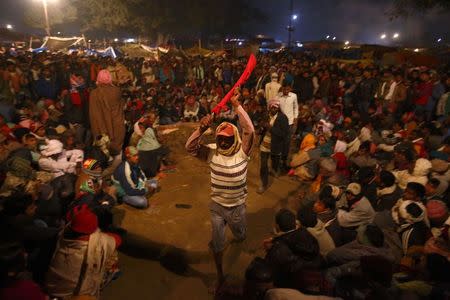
(308, 143)
(315, 186)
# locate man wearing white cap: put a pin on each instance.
(273, 87)
(359, 210)
(273, 143)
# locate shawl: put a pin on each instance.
(236, 144)
(308, 143)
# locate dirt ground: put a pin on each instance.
(165, 253)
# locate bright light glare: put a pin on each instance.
(334, 38)
(327, 37)
(240, 43)
(416, 50)
(116, 40)
(347, 42)
(9, 26)
(294, 17)
(439, 40)
(383, 36)
(299, 45)
(395, 36)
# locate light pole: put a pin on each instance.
(47, 23)
(290, 28)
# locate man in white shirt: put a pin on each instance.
(288, 106)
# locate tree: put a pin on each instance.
(405, 8)
(200, 18)
(108, 15)
(61, 12)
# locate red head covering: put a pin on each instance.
(104, 77)
(82, 220)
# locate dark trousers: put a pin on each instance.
(150, 161)
(264, 166)
(287, 147)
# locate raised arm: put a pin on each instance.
(248, 131)
(193, 145)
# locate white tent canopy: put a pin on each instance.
(58, 43)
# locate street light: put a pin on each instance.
(47, 22)
(383, 36)
(347, 43)
(327, 37)
(290, 27)
(395, 36)
(334, 38)
(439, 40)
(116, 40)
(9, 26)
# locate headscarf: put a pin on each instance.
(237, 140)
(308, 143)
(104, 77)
(399, 211)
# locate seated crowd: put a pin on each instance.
(372, 218)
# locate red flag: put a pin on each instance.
(251, 64)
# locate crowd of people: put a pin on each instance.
(369, 147)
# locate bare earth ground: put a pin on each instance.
(165, 254)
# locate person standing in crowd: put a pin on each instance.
(303, 86)
(228, 179)
(423, 95)
(272, 88)
(272, 143)
(106, 113)
(365, 92)
(288, 106)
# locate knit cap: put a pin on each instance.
(89, 167)
(82, 220)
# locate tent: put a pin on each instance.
(138, 50)
(57, 43)
(197, 51)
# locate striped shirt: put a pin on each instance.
(267, 139)
(229, 179)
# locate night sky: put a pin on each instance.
(354, 20)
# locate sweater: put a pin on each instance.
(361, 213)
(228, 173)
(131, 179)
